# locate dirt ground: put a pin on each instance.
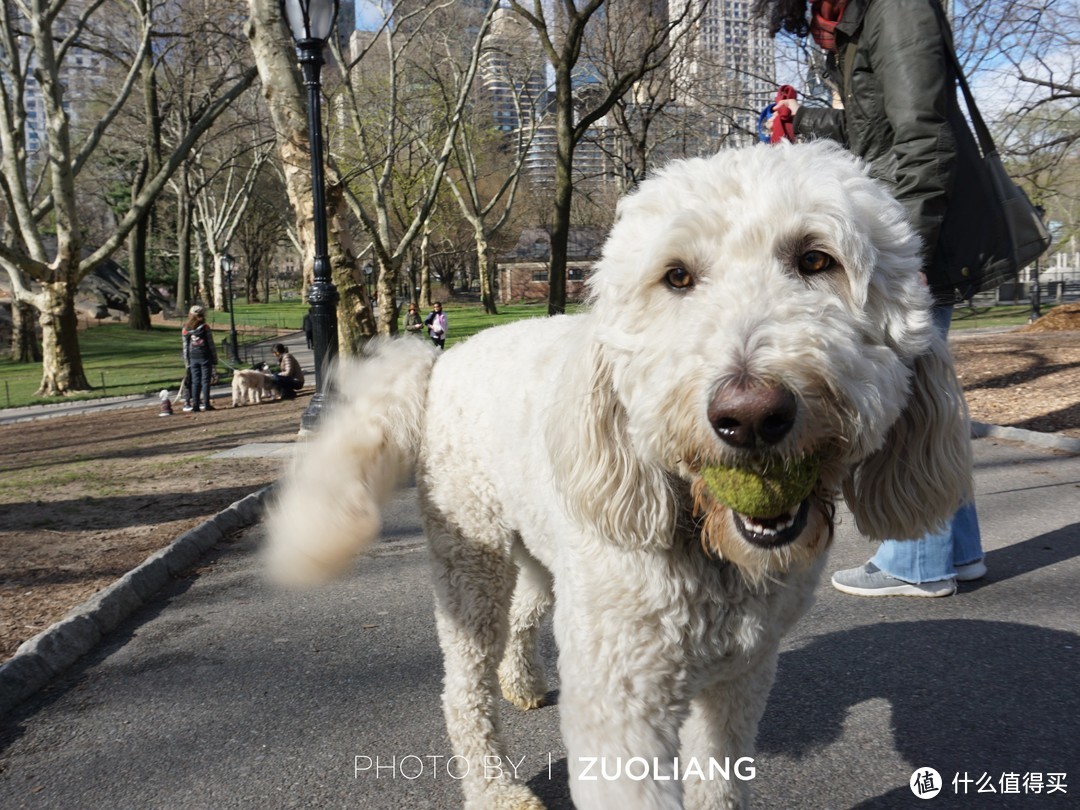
(84, 499)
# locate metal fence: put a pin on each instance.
(254, 343)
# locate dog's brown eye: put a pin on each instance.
(815, 261)
(679, 278)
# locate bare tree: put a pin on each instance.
(487, 161)
(44, 269)
(563, 30)
(261, 232)
(223, 192)
(388, 174)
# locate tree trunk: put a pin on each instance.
(62, 368)
(138, 308)
(485, 265)
(24, 342)
(251, 283)
(220, 303)
(425, 290)
(564, 191)
(202, 275)
(386, 289)
(356, 320)
(183, 245)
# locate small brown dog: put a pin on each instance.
(251, 386)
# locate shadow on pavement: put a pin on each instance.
(965, 696)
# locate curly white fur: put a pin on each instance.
(558, 461)
(251, 386)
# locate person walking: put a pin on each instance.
(290, 377)
(413, 324)
(200, 359)
(437, 325)
(890, 61)
(309, 330)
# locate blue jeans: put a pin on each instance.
(934, 557)
(201, 372)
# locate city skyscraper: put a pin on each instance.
(728, 65)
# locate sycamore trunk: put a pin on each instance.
(61, 368)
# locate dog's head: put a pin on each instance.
(754, 309)
(262, 366)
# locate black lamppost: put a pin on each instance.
(311, 22)
(227, 262)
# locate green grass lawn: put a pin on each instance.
(980, 317)
(271, 315)
(120, 361)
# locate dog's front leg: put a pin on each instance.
(474, 579)
(621, 680)
(718, 738)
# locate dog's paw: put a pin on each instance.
(523, 688)
(504, 796)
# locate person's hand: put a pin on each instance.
(787, 103)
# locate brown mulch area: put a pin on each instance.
(1026, 378)
(84, 499)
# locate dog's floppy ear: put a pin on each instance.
(605, 485)
(916, 481)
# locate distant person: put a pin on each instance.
(290, 377)
(437, 325)
(413, 324)
(309, 331)
(200, 359)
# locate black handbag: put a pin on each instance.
(1024, 237)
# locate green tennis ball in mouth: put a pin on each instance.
(763, 493)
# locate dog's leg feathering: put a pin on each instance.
(327, 508)
(521, 673)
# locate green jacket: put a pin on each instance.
(901, 114)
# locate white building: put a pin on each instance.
(727, 65)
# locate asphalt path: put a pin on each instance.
(226, 693)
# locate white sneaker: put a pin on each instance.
(869, 580)
(971, 571)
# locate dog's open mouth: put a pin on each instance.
(773, 532)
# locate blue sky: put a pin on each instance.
(370, 14)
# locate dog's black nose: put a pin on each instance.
(744, 415)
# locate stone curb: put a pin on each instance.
(50, 652)
(1049, 441)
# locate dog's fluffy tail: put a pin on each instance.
(327, 509)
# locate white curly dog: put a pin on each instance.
(251, 386)
(761, 304)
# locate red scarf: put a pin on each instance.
(783, 123)
(824, 15)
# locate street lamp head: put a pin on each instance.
(227, 263)
(310, 20)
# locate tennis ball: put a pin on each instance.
(763, 493)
